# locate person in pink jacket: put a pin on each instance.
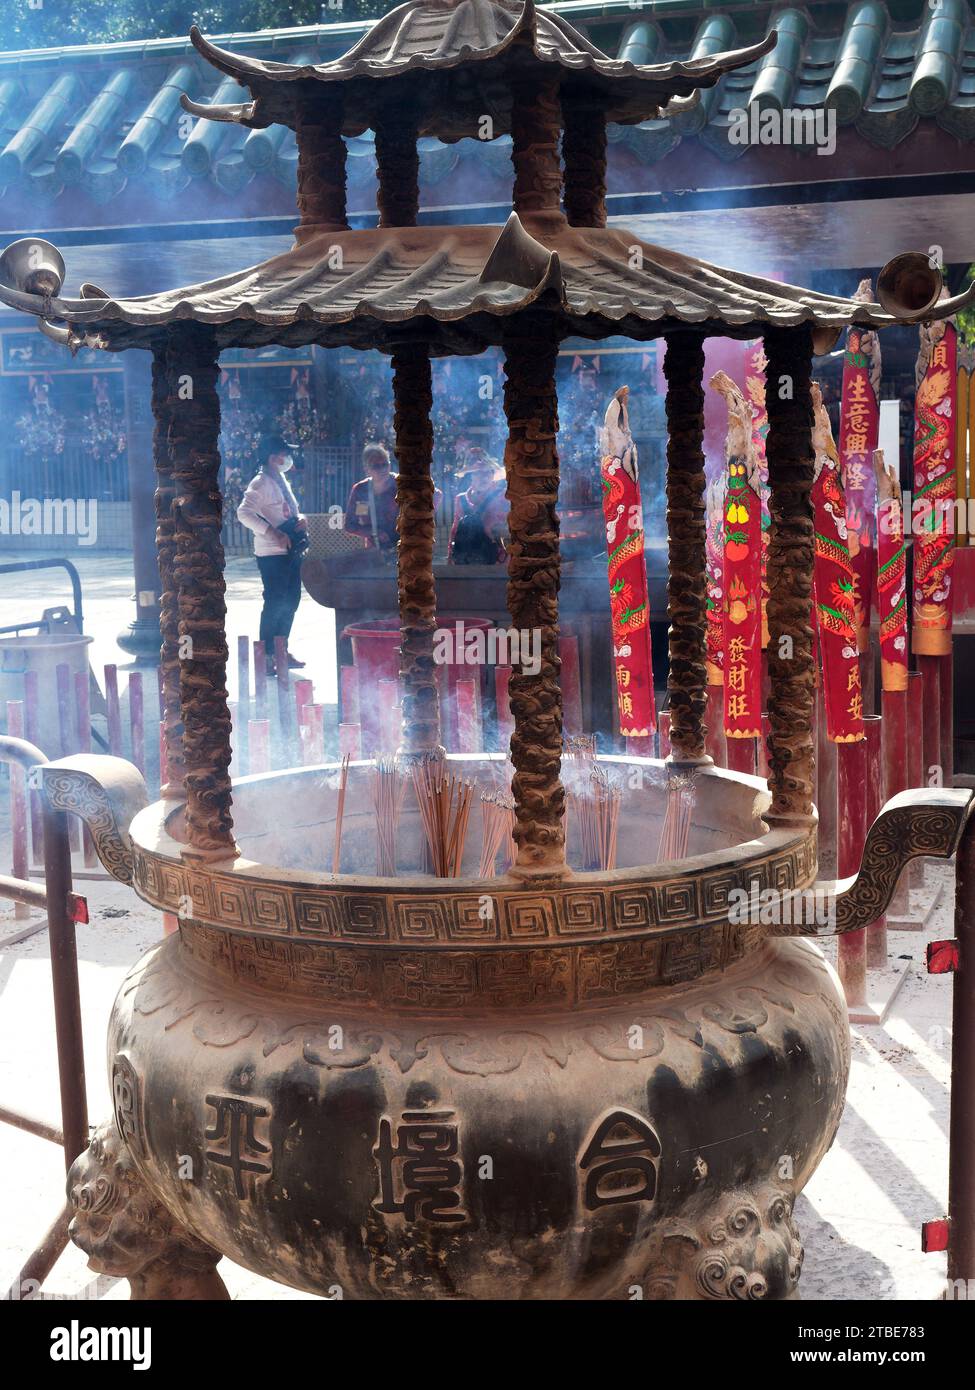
(270, 509)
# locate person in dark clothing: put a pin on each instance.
(270, 510)
(372, 509)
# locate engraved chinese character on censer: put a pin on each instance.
(420, 1174)
(619, 1161)
(233, 1130)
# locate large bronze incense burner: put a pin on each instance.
(552, 1082)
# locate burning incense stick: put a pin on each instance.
(388, 790)
(445, 806)
(597, 810)
(676, 829)
(498, 823)
(339, 813)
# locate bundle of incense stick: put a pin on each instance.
(388, 790)
(677, 817)
(581, 749)
(597, 813)
(498, 823)
(339, 813)
(445, 807)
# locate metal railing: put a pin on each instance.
(64, 909)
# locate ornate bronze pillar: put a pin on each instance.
(193, 367)
(397, 168)
(536, 119)
(321, 166)
(413, 399)
(584, 156)
(532, 466)
(163, 404)
(791, 668)
(686, 531)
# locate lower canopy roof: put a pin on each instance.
(454, 288)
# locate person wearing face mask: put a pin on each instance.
(372, 509)
(270, 509)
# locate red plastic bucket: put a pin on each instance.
(375, 654)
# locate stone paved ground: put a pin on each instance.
(860, 1216)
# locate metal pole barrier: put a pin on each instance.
(64, 973)
(45, 1257)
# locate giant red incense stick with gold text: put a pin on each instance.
(834, 588)
(891, 576)
(934, 488)
(714, 500)
(628, 595)
(742, 570)
(755, 364)
(859, 432)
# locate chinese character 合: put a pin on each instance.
(619, 1161)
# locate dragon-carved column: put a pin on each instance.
(532, 466)
(163, 405)
(193, 367)
(791, 667)
(536, 119)
(686, 531)
(397, 168)
(584, 155)
(321, 166)
(413, 400)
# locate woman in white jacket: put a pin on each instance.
(268, 505)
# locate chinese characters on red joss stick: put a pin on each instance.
(833, 588)
(755, 364)
(934, 487)
(859, 432)
(714, 499)
(742, 570)
(628, 596)
(891, 576)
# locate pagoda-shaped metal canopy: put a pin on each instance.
(554, 270)
(454, 62)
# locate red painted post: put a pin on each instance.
(259, 745)
(350, 741)
(468, 723)
(663, 734)
(715, 740)
(313, 722)
(349, 694)
(502, 705)
(114, 711)
(826, 805)
(66, 727)
(741, 755)
(893, 705)
(873, 728)
(82, 704)
(31, 724)
(851, 789)
(19, 861)
(946, 712)
(260, 680)
(285, 722)
(931, 771)
(915, 756)
(137, 723)
(961, 1134)
(390, 714)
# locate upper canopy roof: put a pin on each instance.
(453, 287)
(453, 61)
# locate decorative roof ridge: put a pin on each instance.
(384, 52)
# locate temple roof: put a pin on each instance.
(453, 61)
(454, 287)
(102, 122)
